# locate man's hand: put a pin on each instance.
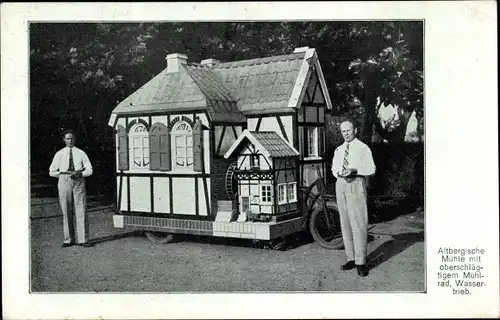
(76, 175)
(348, 174)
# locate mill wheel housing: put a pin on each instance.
(231, 183)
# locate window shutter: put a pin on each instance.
(123, 163)
(154, 147)
(165, 151)
(198, 146)
(159, 148)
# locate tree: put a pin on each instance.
(392, 76)
(79, 72)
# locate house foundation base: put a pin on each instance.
(245, 230)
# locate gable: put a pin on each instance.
(304, 88)
(314, 92)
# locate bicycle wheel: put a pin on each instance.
(324, 226)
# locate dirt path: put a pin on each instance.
(122, 262)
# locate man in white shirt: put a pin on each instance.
(71, 166)
(352, 164)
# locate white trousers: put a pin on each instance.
(73, 201)
(351, 200)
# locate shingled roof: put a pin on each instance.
(261, 84)
(166, 91)
(269, 143)
(221, 105)
(228, 91)
(186, 90)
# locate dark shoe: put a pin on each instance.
(86, 244)
(64, 245)
(362, 270)
(348, 266)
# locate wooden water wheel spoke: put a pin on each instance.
(231, 182)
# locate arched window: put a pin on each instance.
(182, 145)
(139, 146)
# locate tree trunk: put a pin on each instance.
(367, 126)
(370, 117)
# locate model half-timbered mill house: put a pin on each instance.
(221, 148)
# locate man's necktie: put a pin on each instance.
(71, 166)
(345, 164)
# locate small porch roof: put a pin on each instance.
(269, 143)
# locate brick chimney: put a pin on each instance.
(174, 61)
(209, 62)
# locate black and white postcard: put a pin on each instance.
(249, 160)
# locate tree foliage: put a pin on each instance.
(391, 74)
(78, 72)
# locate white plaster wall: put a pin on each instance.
(254, 189)
(252, 124)
(203, 118)
(239, 130)
(201, 197)
(288, 125)
(263, 164)
(183, 195)
(245, 190)
(121, 121)
(266, 209)
(244, 161)
(140, 194)
(161, 119)
(270, 124)
(161, 195)
(206, 150)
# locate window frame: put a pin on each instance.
(284, 187)
(263, 196)
(315, 132)
(254, 158)
(186, 135)
(144, 145)
(294, 193)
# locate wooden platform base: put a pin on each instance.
(235, 229)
